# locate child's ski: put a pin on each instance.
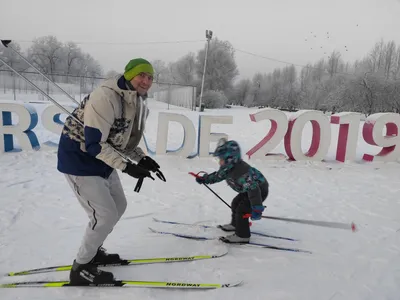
(123, 283)
(202, 238)
(210, 226)
(127, 262)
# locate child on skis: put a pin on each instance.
(250, 183)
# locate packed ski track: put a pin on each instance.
(42, 223)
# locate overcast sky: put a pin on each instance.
(284, 30)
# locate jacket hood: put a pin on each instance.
(120, 86)
(113, 84)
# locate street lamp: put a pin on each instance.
(209, 37)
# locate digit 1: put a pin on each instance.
(348, 134)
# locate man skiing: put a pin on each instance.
(114, 117)
(250, 183)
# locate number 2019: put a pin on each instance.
(291, 130)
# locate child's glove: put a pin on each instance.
(201, 179)
(256, 212)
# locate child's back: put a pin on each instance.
(242, 177)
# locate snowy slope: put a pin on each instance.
(42, 224)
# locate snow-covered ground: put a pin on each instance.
(42, 224)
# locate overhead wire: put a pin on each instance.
(197, 41)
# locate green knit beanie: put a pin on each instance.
(137, 66)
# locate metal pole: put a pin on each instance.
(209, 36)
(193, 98)
(6, 44)
(59, 106)
(39, 90)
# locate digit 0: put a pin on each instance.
(321, 135)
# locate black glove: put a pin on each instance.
(136, 171)
(148, 163)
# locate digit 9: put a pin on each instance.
(373, 134)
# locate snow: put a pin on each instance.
(42, 223)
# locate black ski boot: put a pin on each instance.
(227, 227)
(234, 239)
(83, 274)
(103, 258)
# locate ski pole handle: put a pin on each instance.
(197, 175)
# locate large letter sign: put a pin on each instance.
(279, 125)
(321, 135)
(51, 118)
(189, 134)
(372, 133)
(27, 120)
(348, 135)
(206, 136)
(380, 130)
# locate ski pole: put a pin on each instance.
(197, 175)
(39, 90)
(55, 102)
(6, 44)
(337, 225)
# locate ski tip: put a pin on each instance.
(233, 284)
(153, 230)
(354, 227)
(5, 42)
(220, 254)
(10, 274)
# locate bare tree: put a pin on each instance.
(333, 63)
(396, 69)
(369, 95)
(15, 61)
(89, 67)
(73, 56)
(241, 91)
(162, 71)
(45, 53)
(305, 87)
(184, 70)
(318, 71)
(389, 59)
(112, 73)
(395, 99)
(221, 65)
(258, 81)
(375, 57)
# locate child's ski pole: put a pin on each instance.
(197, 175)
(337, 225)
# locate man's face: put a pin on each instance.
(142, 83)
